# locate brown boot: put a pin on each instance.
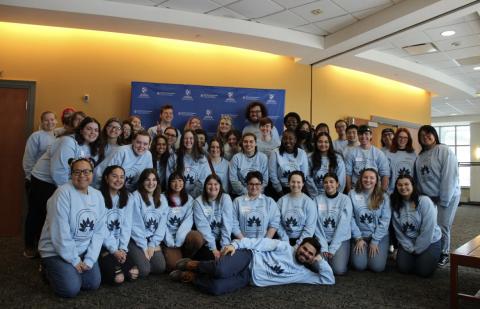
(182, 276)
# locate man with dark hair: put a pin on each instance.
(253, 113)
(341, 128)
(164, 121)
(261, 262)
(292, 121)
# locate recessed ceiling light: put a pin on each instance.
(476, 68)
(448, 33)
(316, 12)
(453, 114)
(445, 98)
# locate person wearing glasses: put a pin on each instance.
(254, 214)
(73, 233)
(52, 170)
(172, 134)
(253, 113)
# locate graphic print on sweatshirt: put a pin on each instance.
(425, 164)
(252, 222)
(191, 174)
(410, 224)
(365, 219)
(113, 222)
(216, 222)
(85, 226)
(330, 217)
(174, 220)
(151, 220)
(294, 220)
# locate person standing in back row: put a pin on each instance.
(254, 112)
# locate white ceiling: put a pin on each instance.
(367, 35)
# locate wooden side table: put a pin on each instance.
(467, 255)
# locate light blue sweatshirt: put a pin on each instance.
(280, 167)
(132, 163)
(179, 223)
(436, 171)
(37, 144)
(61, 153)
(298, 216)
(334, 216)
(315, 186)
(416, 228)
(274, 263)
(195, 172)
(75, 225)
(221, 169)
(214, 220)
(149, 224)
(339, 145)
(255, 129)
(367, 222)
(359, 159)
(240, 165)
(119, 226)
(401, 163)
(253, 217)
(267, 147)
(97, 175)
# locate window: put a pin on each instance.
(458, 139)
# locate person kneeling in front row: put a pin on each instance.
(259, 261)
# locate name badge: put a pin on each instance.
(322, 207)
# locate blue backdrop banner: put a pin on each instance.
(206, 102)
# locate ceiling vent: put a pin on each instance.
(469, 61)
(420, 49)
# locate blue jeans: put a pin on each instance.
(65, 279)
(423, 264)
(445, 218)
(228, 274)
(362, 261)
(339, 262)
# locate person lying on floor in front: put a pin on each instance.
(260, 262)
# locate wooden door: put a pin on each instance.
(13, 118)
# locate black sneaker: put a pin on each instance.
(444, 260)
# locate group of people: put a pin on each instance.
(119, 202)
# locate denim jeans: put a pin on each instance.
(362, 261)
(66, 280)
(423, 264)
(339, 262)
(445, 218)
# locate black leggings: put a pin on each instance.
(38, 195)
(110, 267)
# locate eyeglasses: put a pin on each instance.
(170, 135)
(255, 184)
(82, 172)
(255, 111)
(115, 128)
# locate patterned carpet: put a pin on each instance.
(21, 286)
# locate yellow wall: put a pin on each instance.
(67, 63)
(340, 93)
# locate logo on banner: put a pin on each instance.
(230, 97)
(188, 95)
(208, 115)
(250, 98)
(144, 93)
(165, 94)
(271, 99)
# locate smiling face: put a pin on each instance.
(49, 122)
(212, 188)
(176, 185)
(405, 188)
(255, 114)
(266, 129)
(76, 121)
(341, 127)
(402, 140)
(188, 141)
(215, 151)
(305, 254)
(224, 126)
(126, 130)
(150, 184)
(195, 124)
(90, 132)
(232, 140)
(289, 140)
(82, 175)
(254, 187)
(387, 138)
(364, 138)
(167, 115)
(171, 135)
(137, 124)
(248, 144)
(427, 139)
(296, 184)
(369, 180)
(116, 179)
(291, 123)
(114, 129)
(140, 144)
(161, 146)
(352, 136)
(330, 185)
(323, 144)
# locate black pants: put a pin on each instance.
(38, 195)
(110, 267)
